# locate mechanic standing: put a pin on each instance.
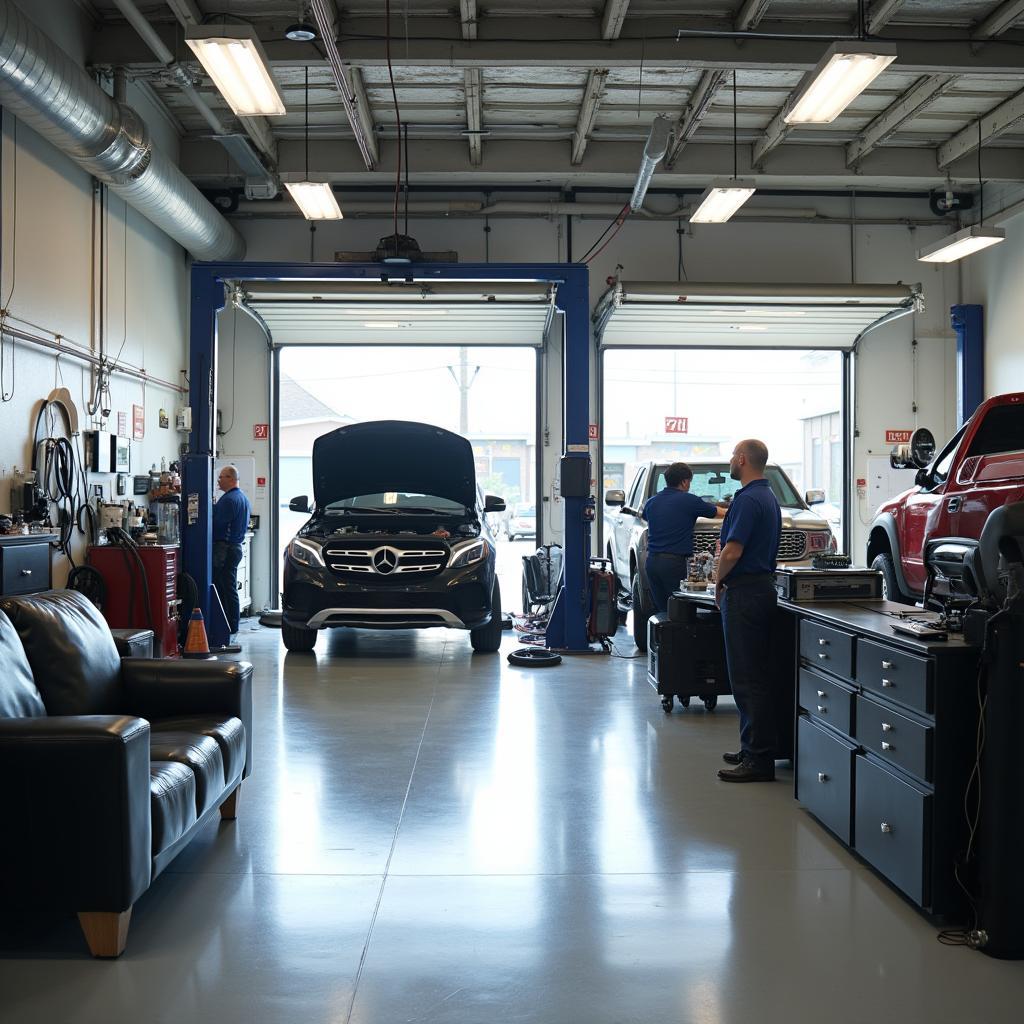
(230, 522)
(745, 591)
(671, 515)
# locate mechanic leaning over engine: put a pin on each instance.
(671, 515)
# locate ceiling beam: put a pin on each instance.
(774, 135)
(750, 14)
(346, 80)
(984, 129)
(999, 19)
(468, 17)
(880, 13)
(593, 91)
(699, 104)
(473, 85)
(923, 92)
(186, 11)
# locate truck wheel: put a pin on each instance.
(641, 613)
(297, 639)
(487, 639)
(890, 587)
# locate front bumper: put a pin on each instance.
(317, 598)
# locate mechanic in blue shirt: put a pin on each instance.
(745, 591)
(230, 523)
(671, 515)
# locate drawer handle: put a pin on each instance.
(822, 642)
(821, 694)
(887, 746)
(26, 572)
(886, 727)
(822, 777)
(886, 827)
(888, 664)
(824, 657)
(888, 683)
(822, 710)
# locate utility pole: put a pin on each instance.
(464, 382)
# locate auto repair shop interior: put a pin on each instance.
(445, 288)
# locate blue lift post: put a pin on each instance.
(969, 323)
(568, 627)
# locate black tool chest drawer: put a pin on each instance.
(824, 776)
(24, 567)
(904, 741)
(827, 648)
(826, 699)
(892, 826)
(895, 675)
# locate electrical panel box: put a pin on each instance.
(575, 477)
(183, 419)
(120, 454)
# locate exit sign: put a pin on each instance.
(677, 424)
(898, 436)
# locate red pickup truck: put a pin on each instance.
(930, 529)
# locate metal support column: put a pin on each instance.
(969, 323)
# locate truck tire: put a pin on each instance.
(297, 639)
(641, 613)
(487, 639)
(883, 563)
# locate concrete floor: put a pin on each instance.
(434, 836)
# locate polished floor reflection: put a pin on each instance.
(433, 836)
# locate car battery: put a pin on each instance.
(127, 581)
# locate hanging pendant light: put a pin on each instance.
(315, 199)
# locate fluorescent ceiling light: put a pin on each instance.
(233, 57)
(722, 200)
(963, 243)
(845, 71)
(315, 199)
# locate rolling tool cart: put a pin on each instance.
(686, 653)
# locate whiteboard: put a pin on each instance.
(884, 482)
(246, 466)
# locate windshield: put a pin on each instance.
(395, 501)
(713, 484)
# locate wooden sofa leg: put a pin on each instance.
(105, 933)
(229, 809)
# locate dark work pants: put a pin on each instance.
(748, 612)
(225, 578)
(664, 571)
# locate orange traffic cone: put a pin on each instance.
(196, 644)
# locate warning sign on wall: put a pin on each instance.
(898, 436)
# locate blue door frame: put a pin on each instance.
(567, 628)
(969, 323)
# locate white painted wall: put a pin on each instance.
(47, 271)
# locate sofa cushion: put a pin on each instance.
(172, 798)
(19, 697)
(228, 732)
(73, 657)
(198, 752)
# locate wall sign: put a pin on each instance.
(677, 424)
(138, 422)
(261, 431)
(593, 432)
(898, 436)
(122, 424)
(164, 419)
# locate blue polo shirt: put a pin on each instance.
(231, 516)
(754, 520)
(671, 515)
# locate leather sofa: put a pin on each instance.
(110, 767)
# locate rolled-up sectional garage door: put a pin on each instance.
(650, 314)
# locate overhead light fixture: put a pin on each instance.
(845, 71)
(300, 32)
(963, 243)
(722, 200)
(725, 196)
(314, 198)
(654, 151)
(233, 57)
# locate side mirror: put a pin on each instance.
(615, 498)
(300, 504)
(492, 503)
(922, 479)
(816, 496)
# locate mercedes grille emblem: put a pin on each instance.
(385, 560)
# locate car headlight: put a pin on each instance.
(306, 552)
(469, 553)
(820, 540)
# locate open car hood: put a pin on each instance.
(393, 455)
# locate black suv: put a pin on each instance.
(398, 537)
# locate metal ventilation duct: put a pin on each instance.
(52, 94)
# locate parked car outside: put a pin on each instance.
(804, 532)
(523, 522)
(933, 528)
(397, 537)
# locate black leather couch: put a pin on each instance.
(109, 767)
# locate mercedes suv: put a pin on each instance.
(397, 537)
